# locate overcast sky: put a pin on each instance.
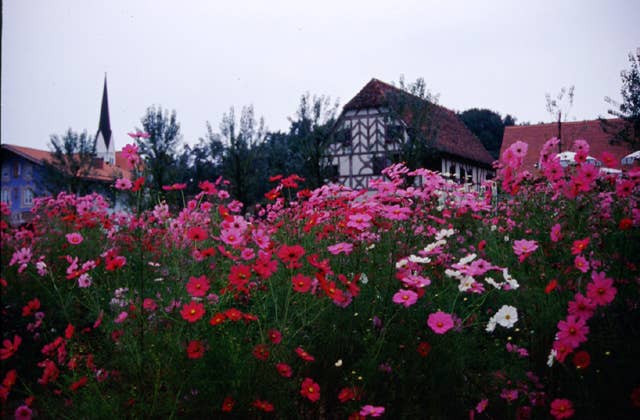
(201, 57)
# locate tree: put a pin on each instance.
(239, 161)
(417, 108)
(562, 103)
(629, 109)
(72, 156)
(160, 149)
(488, 126)
(310, 136)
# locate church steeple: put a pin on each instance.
(104, 143)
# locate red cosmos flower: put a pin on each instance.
(31, 307)
(261, 352)
(198, 286)
(562, 408)
(233, 314)
(192, 311)
(290, 255)
(10, 347)
(301, 283)
(196, 233)
(195, 349)
(310, 389)
(227, 404)
(551, 286)
(304, 355)
(239, 276)
(78, 384)
(625, 224)
(275, 336)
(284, 370)
(581, 359)
(68, 332)
(137, 184)
(635, 396)
(218, 319)
(579, 246)
(423, 348)
(265, 406)
(348, 394)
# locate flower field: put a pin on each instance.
(401, 302)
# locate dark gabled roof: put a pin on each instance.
(104, 125)
(453, 137)
(600, 134)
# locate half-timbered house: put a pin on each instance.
(370, 136)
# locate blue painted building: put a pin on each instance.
(21, 179)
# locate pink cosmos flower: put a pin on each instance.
(370, 410)
(84, 280)
(562, 409)
(509, 394)
(232, 237)
(556, 233)
(601, 290)
(123, 184)
(74, 238)
(581, 263)
(524, 246)
(23, 413)
(284, 370)
(482, 405)
(440, 322)
(342, 247)
(573, 331)
(359, 221)
(405, 298)
(582, 307)
(121, 317)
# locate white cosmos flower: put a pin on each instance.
(507, 316)
(492, 282)
(444, 233)
(552, 356)
(466, 260)
(466, 283)
(453, 273)
(419, 260)
(491, 325)
(402, 263)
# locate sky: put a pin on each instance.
(201, 57)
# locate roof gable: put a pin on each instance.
(453, 137)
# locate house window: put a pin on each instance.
(16, 169)
(6, 197)
(5, 173)
(15, 195)
(393, 134)
(334, 172)
(28, 171)
(27, 197)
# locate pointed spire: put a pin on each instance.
(104, 126)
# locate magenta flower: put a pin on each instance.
(74, 238)
(370, 410)
(123, 184)
(556, 234)
(341, 247)
(581, 263)
(581, 306)
(440, 322)
(601, 290)
(405, 298)
(573, 331)
(524, 246)
(562, 408)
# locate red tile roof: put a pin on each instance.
(105, 173)
(600, 138)
(453, 137)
